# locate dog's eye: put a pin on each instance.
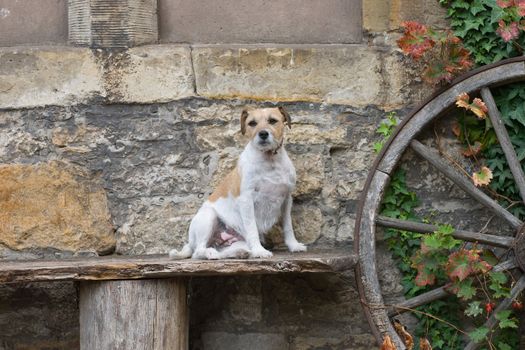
(252, 123)
(272, 121)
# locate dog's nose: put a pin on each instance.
(263, 134)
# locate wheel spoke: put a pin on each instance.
(438, 293)
(504, 141)
(497, 241)
(505, 304)
(465, 184)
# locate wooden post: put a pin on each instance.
(149, 314)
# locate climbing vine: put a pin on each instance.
(482, 32)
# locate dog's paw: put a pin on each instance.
(212, 254)
(296, 247)
(261, 253)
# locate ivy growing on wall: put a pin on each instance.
(482, 32)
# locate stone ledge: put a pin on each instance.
(354, 75)
(62, 76)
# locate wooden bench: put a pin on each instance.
(139, 302)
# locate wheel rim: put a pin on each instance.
(367, 215)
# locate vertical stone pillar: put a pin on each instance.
(112, 23)
(134, 314)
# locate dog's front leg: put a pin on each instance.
(289, 236)
(251, 233)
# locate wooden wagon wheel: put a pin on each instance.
(478, 81)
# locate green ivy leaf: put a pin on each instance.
(466, 290)
(479, 334)
(498, 277)
(474, 309)
(503, 346)
(477, 7)
(505, 321)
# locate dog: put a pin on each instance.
(251, 198)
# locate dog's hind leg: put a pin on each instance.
(201, 231)
(238, 250)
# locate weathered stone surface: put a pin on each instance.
(54, 76)
(156, 225)
(158, 163)
(39, 316)
(240, 21)
(310, 173)
(350, 75)
(307, 223)
(156, 73)
(53, 205)
(232, 341)
(385, 15)
(290, 307)
(312, 134)
(39, 22)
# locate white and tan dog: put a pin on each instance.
(251, 198)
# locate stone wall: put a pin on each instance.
(132, 141)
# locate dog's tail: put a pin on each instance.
(184, 253)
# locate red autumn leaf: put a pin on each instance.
(482, 177)
(456, 129)
(508, 32)
(473, 150)
(465, 262)
(463, 100)
(407, 338)
(415, 41)
(426, 265)
(424, 344)
(387, 344)
(505, 3)
(458, 265)
(479, 108)
(521, 7)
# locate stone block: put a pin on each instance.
(260, 21)
(348, 74)
(253, 341)
(310, 173)
(33, 22)
(156, 225)
(386, 15)
(32, 77)
(149, 74)
(53, 205)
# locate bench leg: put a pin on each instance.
(134, 314)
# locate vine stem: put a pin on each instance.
(415, 311)
(460, 168)
(489, 341)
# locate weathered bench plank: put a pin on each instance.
(160, 266)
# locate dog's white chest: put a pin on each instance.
(270, 186)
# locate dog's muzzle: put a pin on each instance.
(263, 135)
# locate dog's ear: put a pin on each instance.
(244, 115)
(286, 116)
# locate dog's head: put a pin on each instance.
(265, 127)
